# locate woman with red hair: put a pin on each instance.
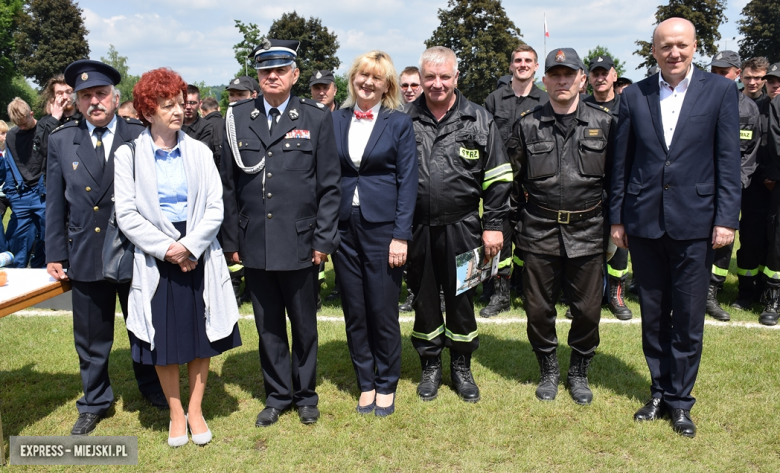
(168, 200)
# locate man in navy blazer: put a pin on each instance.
(675, 198)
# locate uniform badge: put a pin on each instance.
(75, 165)
(298, 135)
(600, 59)
(719, 56)
(294, 114)
(319, 104)
(84, 76)
(774, 68)
(236, 81)
(266, 44)
(594, 133)
(254, 113)
(319, 75)
(560, 57)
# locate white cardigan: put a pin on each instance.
(140, 218)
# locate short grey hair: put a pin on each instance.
(438, 55)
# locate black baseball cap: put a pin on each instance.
(563, 57)
(275, 53)
(84, 73)
(774, 71)
(726, 59)
(242, 83)
(623, 81)
(601, 61)
(321, 77)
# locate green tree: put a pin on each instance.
(482, 37)
(706, 15)
(119, 63)
(341, 88)
(252, 37)
(50, 36)
(760, 28)
(317, 50)
(9, 9)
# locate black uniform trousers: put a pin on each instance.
(753, 243)
(431, 263)
(94, 306)
(720, 265)
(772, 268)
(618, 263)
(369, 290)
(288, 380)
(672, 278)
(542, 279)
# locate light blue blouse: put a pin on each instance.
(171, 183)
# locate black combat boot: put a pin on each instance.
(577, 379)
(334, 294)
(462, 380)
(430, 380)
(771, 300)
(487, 291)
(407, 305)
(500, 301)
(747, 292)
(714, 309)
(550, 376)
(617, 287)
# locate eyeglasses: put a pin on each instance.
(409, 86)
(192, 104)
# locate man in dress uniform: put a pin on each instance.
(281, 173)
(80, 184)
(560, 155)
(462, 160)
(602, 76)
(323, 89)
(728, 65)
(506, 104)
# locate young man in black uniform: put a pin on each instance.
(281, 173)
(195, 127)
(727, 64)
(771, 295)
(462, 160)
(80, 191)
(560, 154)
(506, 104)
(602, 77)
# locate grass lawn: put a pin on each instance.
(509, 430)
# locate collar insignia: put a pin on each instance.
(254, 113)
(294, 114)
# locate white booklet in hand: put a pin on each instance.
(471, 269)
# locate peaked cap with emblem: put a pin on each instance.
(603, 61)
(321, 77)
(726, 59)
(85, 73)
(774, 71)
(563, 57)
(275, 53)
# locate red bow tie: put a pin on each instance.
(367, 115)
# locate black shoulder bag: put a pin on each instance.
(118, 251)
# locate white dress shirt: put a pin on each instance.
(359, 133)
(671, 103)
(281, 109)
(108, 136)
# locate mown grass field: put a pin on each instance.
(509, 430)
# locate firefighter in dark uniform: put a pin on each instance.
(728, 64)
(560, 153)
(751, 255)
(210, 109)
(80, 185)
(281, 174)
(602, 77)
(195, 126)
(771, 274)
(506, 104)
(461, 160)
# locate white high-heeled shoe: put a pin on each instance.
(204, 438)
(178, 441)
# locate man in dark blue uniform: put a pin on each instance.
(280, 172)
(80, 182)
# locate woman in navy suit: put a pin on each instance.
(378, 156)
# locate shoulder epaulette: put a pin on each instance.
(134, 121)
(530, 111)
(240, 102)
(312, 103)
(69, 124)
(598, 107)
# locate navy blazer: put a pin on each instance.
(387, 177)
(693, 185)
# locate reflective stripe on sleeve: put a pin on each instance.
(749, 272)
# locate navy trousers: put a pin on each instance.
(94, 305)
(287, 381)
(29, 209)
(369, 290)
(672, 279)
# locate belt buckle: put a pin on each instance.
(564, 217)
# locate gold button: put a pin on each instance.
(95, 208)
(240, 144)
(89, 188)
(97, 229)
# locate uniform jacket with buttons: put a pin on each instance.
(80, 196)
(461, 160)
(506, 107)
(276, 226)
(560, 170)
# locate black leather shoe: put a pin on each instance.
(577, 378)
(742, 303)
(653, 410)
(268, 416)
(771, 300)
(500, 301)
(462, 379)
(407, 305)
(682, 423)
(550, 376)
(158, 400)
(616, 304)
(85, 424)
(428, 389)
(308, 414)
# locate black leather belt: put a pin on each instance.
(564, 217)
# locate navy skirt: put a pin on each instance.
(178, 317)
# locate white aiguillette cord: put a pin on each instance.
(230, 125)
